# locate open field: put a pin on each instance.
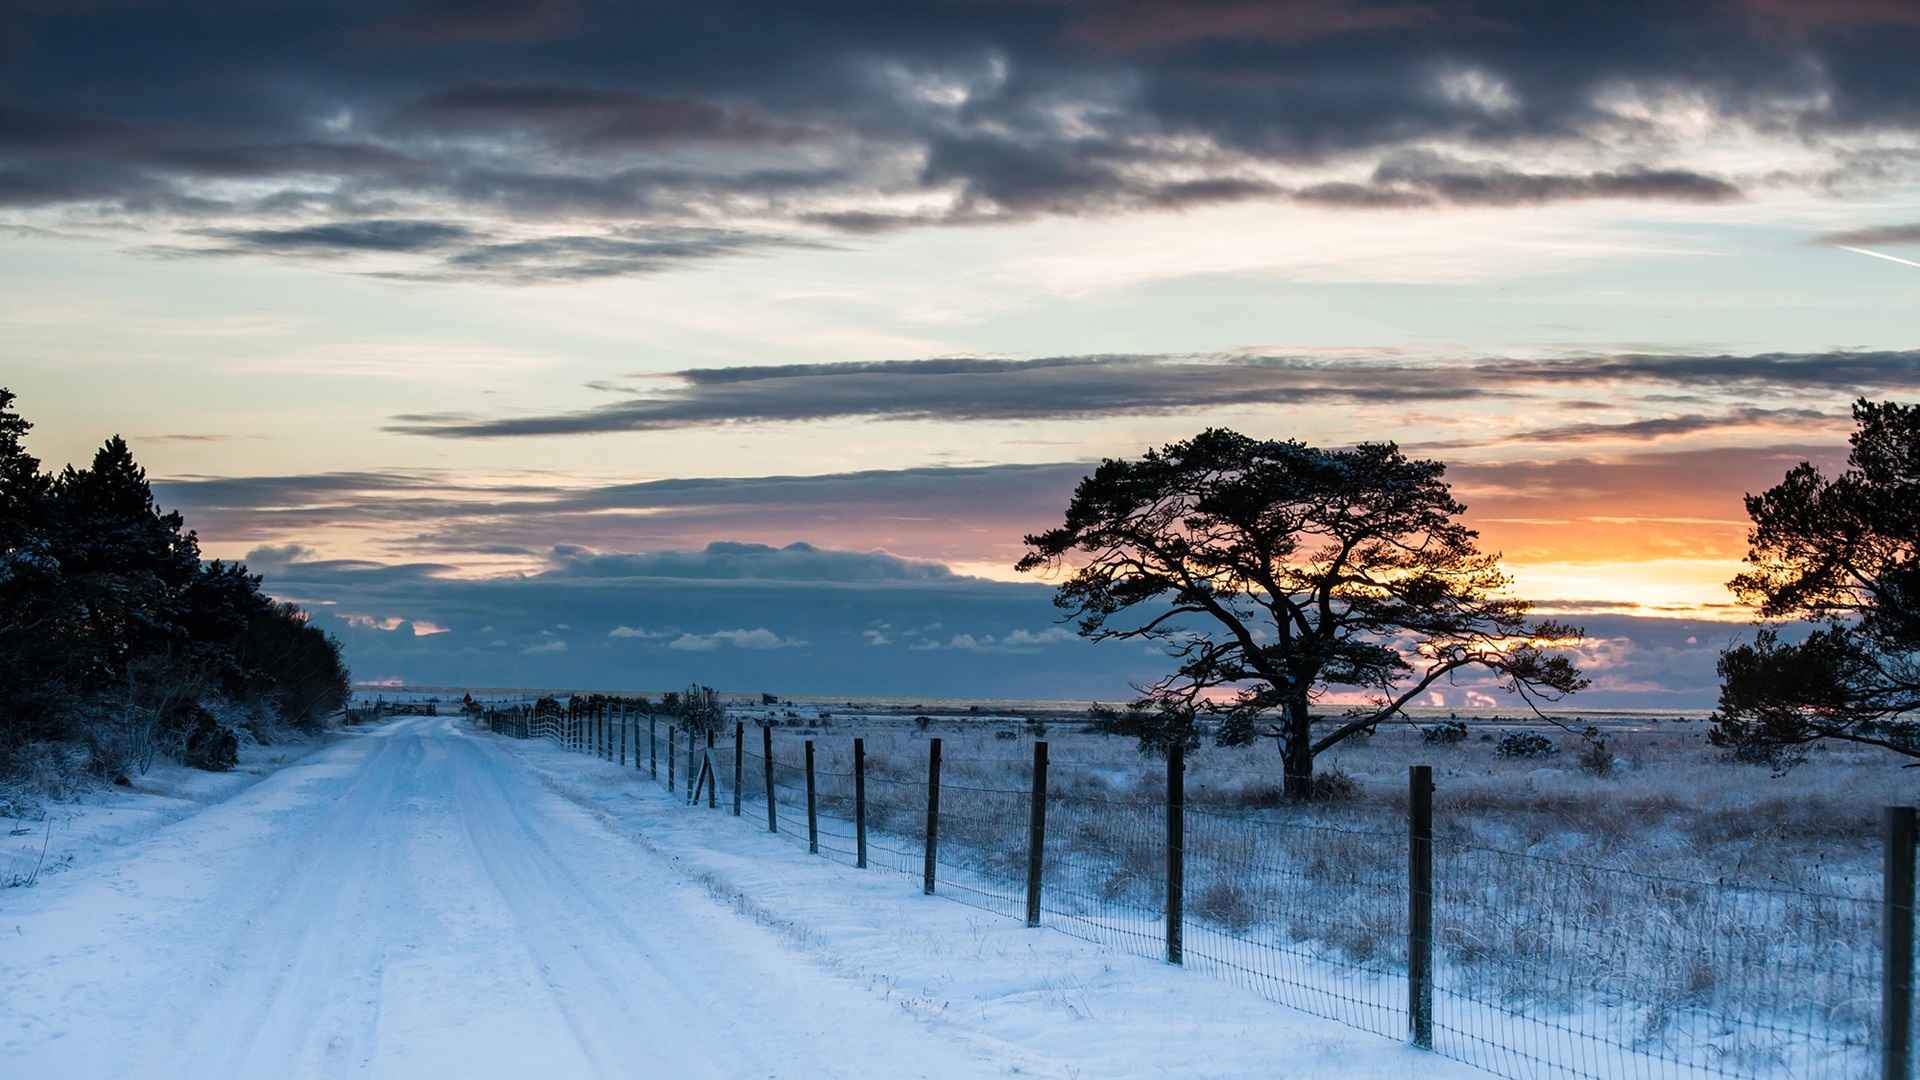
(1680, 915)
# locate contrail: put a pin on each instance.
(1879, 255)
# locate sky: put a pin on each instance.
(558, 343)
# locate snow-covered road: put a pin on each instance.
(415, 903)
(421, 900)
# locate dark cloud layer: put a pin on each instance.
(822, 622)
(584, 116)
(1092, 386)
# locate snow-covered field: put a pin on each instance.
(418, 900)
(1681, 916)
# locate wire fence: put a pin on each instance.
(1524, 966)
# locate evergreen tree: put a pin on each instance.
(1272, 571)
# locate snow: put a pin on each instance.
(79, 832)
(422, 900)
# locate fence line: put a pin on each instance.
(1525, 966)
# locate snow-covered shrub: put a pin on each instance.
(211, 745)
(1525, 744)
(1444, 733)
(1224, 902)
(1595, 755)
(1334, 785)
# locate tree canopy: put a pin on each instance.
(1274, 572)
(112, 629)
(1841, 553)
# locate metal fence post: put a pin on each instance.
(739, 752)
(766, 749)
(1176, 851)
(860, 803)
(1036, 833)
(1896, 947)
(813, 820)
(1420, 904)
(933, 814)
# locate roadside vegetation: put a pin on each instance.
(119, 646)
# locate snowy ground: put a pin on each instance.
(63, 835)
(419, 900)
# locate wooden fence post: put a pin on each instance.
(1036, 833)
(671, 757)
(653, 745)
(813, 820)
(1896, 947)
(713, 786)
(1176, 851)
(739, 752)
(1420, 904)
(766, 750)
(623, 734)
(933, 813)
(692, 795)
(860, 803)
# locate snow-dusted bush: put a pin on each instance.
(1525, 744)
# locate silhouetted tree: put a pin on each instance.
(1274, 571)
(1841, 553)
(112, 629)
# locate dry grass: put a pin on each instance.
(1679, 906)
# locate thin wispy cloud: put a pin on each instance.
(1084, 387)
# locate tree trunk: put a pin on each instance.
(1296, 753)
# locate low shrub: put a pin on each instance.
(1525, 744)
(1334, 785)
(211, 745)
(1444, 733)
(1224, 903)
(1596, 756)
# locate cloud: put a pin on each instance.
(1096, 386)
(1872, 235)
(637, 633)
(962, 389)
(339, 238)
(803, 636)
(731, 560)
(1423, 174)
(277, 556)
(594, 118)
(1664, 427)
(622, 253)
(1014, 641)
(758, 639)
(587, 117)
(462, 253)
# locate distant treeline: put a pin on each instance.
(116, 639)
